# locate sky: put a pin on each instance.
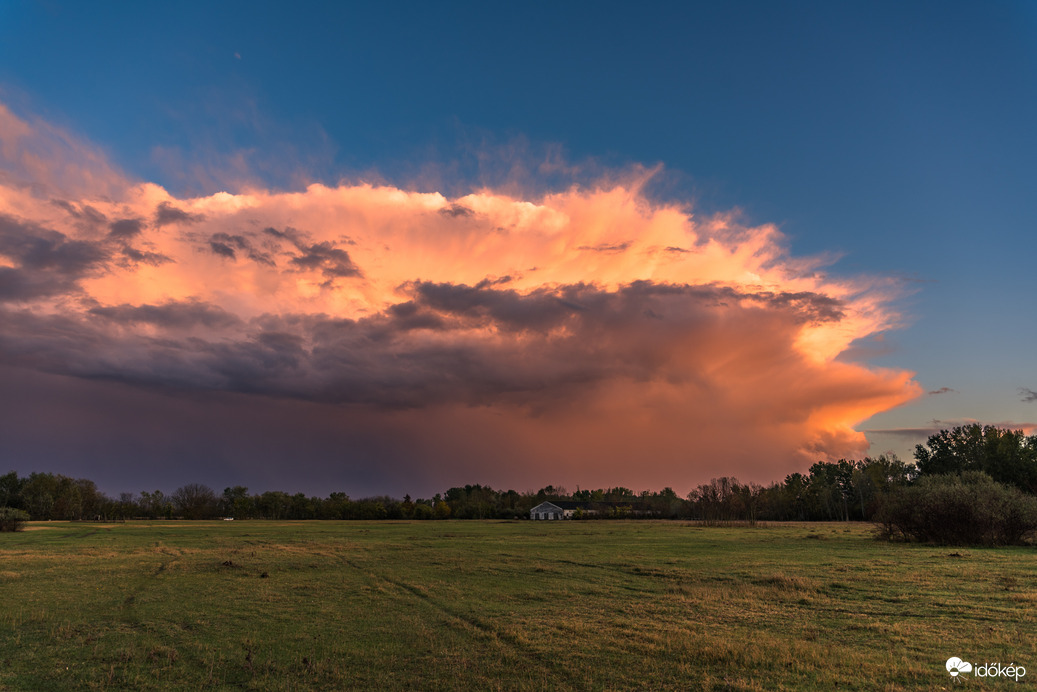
(389, 248)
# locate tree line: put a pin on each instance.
(842, 490)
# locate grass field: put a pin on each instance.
(502, 605)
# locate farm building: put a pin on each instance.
(559, 509)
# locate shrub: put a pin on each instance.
(12, 519)
(958, 509)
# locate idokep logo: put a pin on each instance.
(956, 667)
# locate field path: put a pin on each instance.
(467, 622)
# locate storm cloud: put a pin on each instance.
(586, 336)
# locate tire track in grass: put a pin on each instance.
(142, 582)
(465, 622)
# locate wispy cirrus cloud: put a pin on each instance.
(595, 333)
(935, 426)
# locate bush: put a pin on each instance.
(958, 509)
(12, 519)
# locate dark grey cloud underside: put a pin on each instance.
(172, 315)
(166, 214)
(126, 228)
(331, 261)
(46, 262)
(555, 342)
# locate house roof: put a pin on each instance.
(574, 504)
(566, 504)
(569, 504)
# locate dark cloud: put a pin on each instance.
(171, 315)
(333, 262)
(86, 215)
(40, 249)
(227, 245)
(125, 228)
(288, 233)
(813, 306)
(16, 284)
(607, 248)
(440, 346)
(166, 214)
(456, 210)
(942, 390)
(494, 282)
(409, 315)
(47, 262)
(135, 256)
(934, 427)
(907, 433)
(222, 249)
(1028, 395)
(549, 308)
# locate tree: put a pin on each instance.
(38, 494)
(68, 501)
(716, 501)
(750, 496)
(155, 505)
(12, 519)
(969, 508)
(274, 504)
(10, 490)
(1007, 456)
(237, 503)
(195, 501)
(441, 510)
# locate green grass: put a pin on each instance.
(501, 605)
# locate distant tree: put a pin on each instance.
(91, 499)
(336, 506)
(274, 504)
(10, 490)
(619, 494)
(716, 501)
(1007, 456)
(302, 507)
(666, 503)
(829, 488)
(12, 519)
(794, 496)
(126, 507)
(969, 508)
(237, 503)
(156, 505)
(38, 493)
(750, 496)
(195, 501)
(68, 501)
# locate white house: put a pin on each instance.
(546, 510)
(560, 509)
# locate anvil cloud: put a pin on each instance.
(590, 336)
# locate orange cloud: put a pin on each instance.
(592, 335)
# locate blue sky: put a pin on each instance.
(897, 137)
